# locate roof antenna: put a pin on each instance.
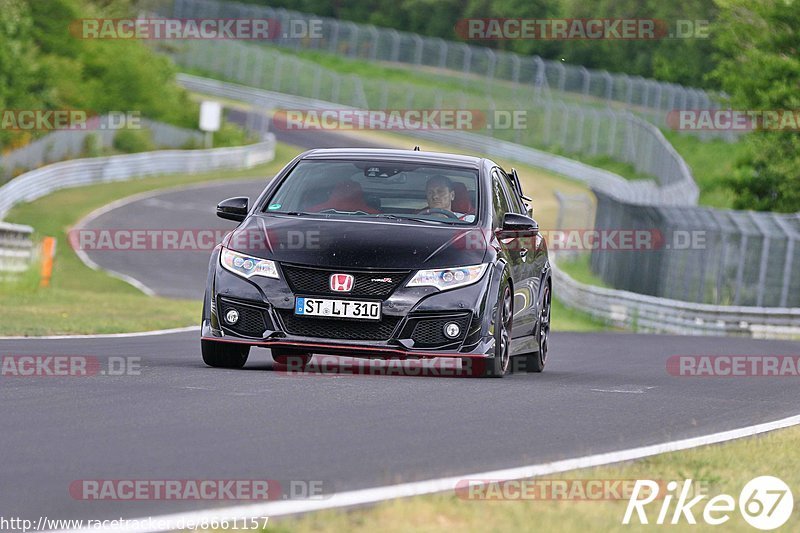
(416, 148)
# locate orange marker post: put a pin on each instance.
(48, 255)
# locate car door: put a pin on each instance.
(516, 248)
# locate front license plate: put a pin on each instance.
(337, 308)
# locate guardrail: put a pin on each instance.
(15, 240)
(37, 183)
(650, 314)
(61, 145)
(16, 247)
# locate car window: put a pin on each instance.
(339, 188)
(500, 201)
(516, 203)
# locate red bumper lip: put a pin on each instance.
(377, 350)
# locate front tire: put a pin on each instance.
(497, 366)
(224, 354)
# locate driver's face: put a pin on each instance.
(439, 196)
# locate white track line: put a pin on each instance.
(106, 335)
(405, 490)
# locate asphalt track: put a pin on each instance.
(178, 419)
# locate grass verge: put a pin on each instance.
(717, 469)
(579, 269)
(712, 163)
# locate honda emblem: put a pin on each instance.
(341, 282)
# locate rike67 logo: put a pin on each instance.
(765, 502)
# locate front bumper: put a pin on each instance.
(411, 318)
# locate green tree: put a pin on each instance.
(45, 64)
(20, 80)
(759, 67)
(678, 60)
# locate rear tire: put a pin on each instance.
(224, 354)
(534, 362)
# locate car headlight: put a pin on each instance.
(246, 266)
(448, 278)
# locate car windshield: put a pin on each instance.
(421, 193)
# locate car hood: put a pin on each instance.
(359, 243)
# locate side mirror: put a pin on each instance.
(234, 208)
(517, 225)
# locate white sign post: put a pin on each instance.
(210, 119)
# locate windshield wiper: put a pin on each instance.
(407, 217)
(290, 213)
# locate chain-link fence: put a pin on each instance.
(494, 72)
(550, 125)
(704, 255)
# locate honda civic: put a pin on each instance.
(381, 253)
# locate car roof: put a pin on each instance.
(386, 154)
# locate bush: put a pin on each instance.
(91, 146)
(231, 135)
(133, 141)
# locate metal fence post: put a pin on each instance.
(418, 43)
(515, 67)
(373, 49)
(353, 45)
(443, 48)
(585, 81)
(395, 45)
(491, 66)
(562, 76)
(791, 236)
(333, 47)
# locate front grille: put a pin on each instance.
(307, 280)
(326, 328)
(252, 321)
(429, 332)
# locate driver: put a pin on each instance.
(440, 194)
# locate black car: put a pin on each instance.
(384, 254)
